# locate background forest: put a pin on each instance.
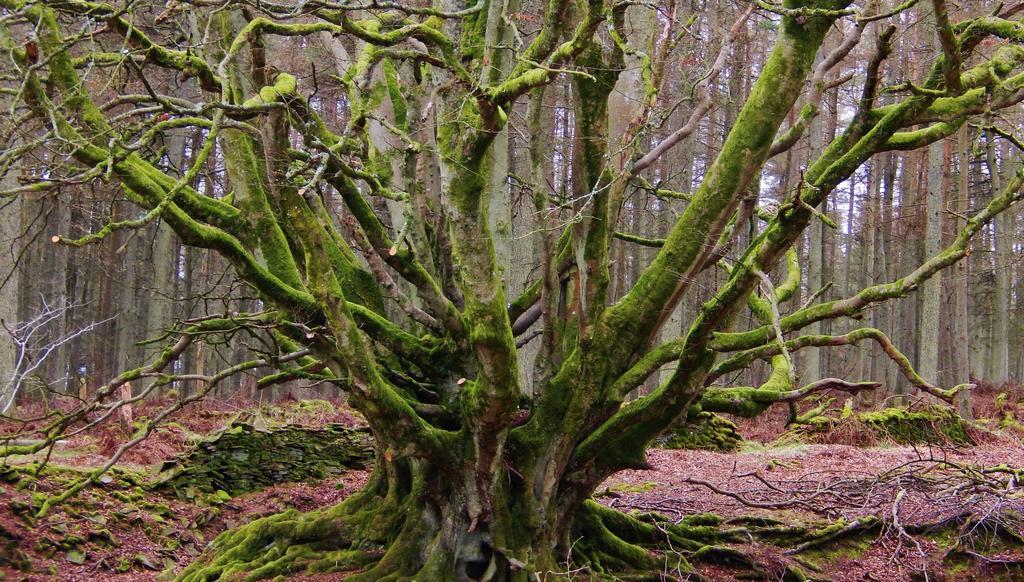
(87, 308)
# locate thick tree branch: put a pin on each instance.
(751, 402)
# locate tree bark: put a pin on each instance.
(930, 324)
(999, 368)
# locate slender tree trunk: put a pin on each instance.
(10, 228)
(999, 369)
(811, 357)
(855, 253)
(163, 262)
(978, 265)
(874, 264)
(960, 317)
(930, 324)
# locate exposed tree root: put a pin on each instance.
(399, 529)
(367, 533)
(608, 541)
(392, 537)
(282, 544)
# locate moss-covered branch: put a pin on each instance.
(751, 402)
(528, 75)
(851, 306)
(184, 61)
(819, 85)
(280, 282)
(59, 428)
(402, 259)
(863, 138)
(743, 153)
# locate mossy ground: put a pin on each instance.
(120, 528)
(935, 425)
(704, 430)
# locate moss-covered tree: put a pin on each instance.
(473, 479)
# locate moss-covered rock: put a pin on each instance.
(931, 424)
(12, 552)
(706, 431)
(243, 458)
(935, 424)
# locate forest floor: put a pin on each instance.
(118, 530)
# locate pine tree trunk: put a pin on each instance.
(999, 369)
(930, 323)
(10, 223)
(960, 318)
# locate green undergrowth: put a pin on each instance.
(975, 547)
(625, 488)
(958, 549)
(28, 476)
(243, 458)
(346, 537)
(33, 484)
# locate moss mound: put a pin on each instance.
(928, 425)
(244, 458)
(706, 431)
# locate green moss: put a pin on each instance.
(745, 402)
(314, 405)
(71, 541)
(601, 549)
(829, 549)
(284, 85)
(242, 458)
(157, 509)
(637, 488)
(103, 537)
(398, 102)
(959, 565)
(846, 549)
(726, 556)
(75, 557)
(124, 564)
(702, 519)
(12, 551)
(933, 424)
(706, 431)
